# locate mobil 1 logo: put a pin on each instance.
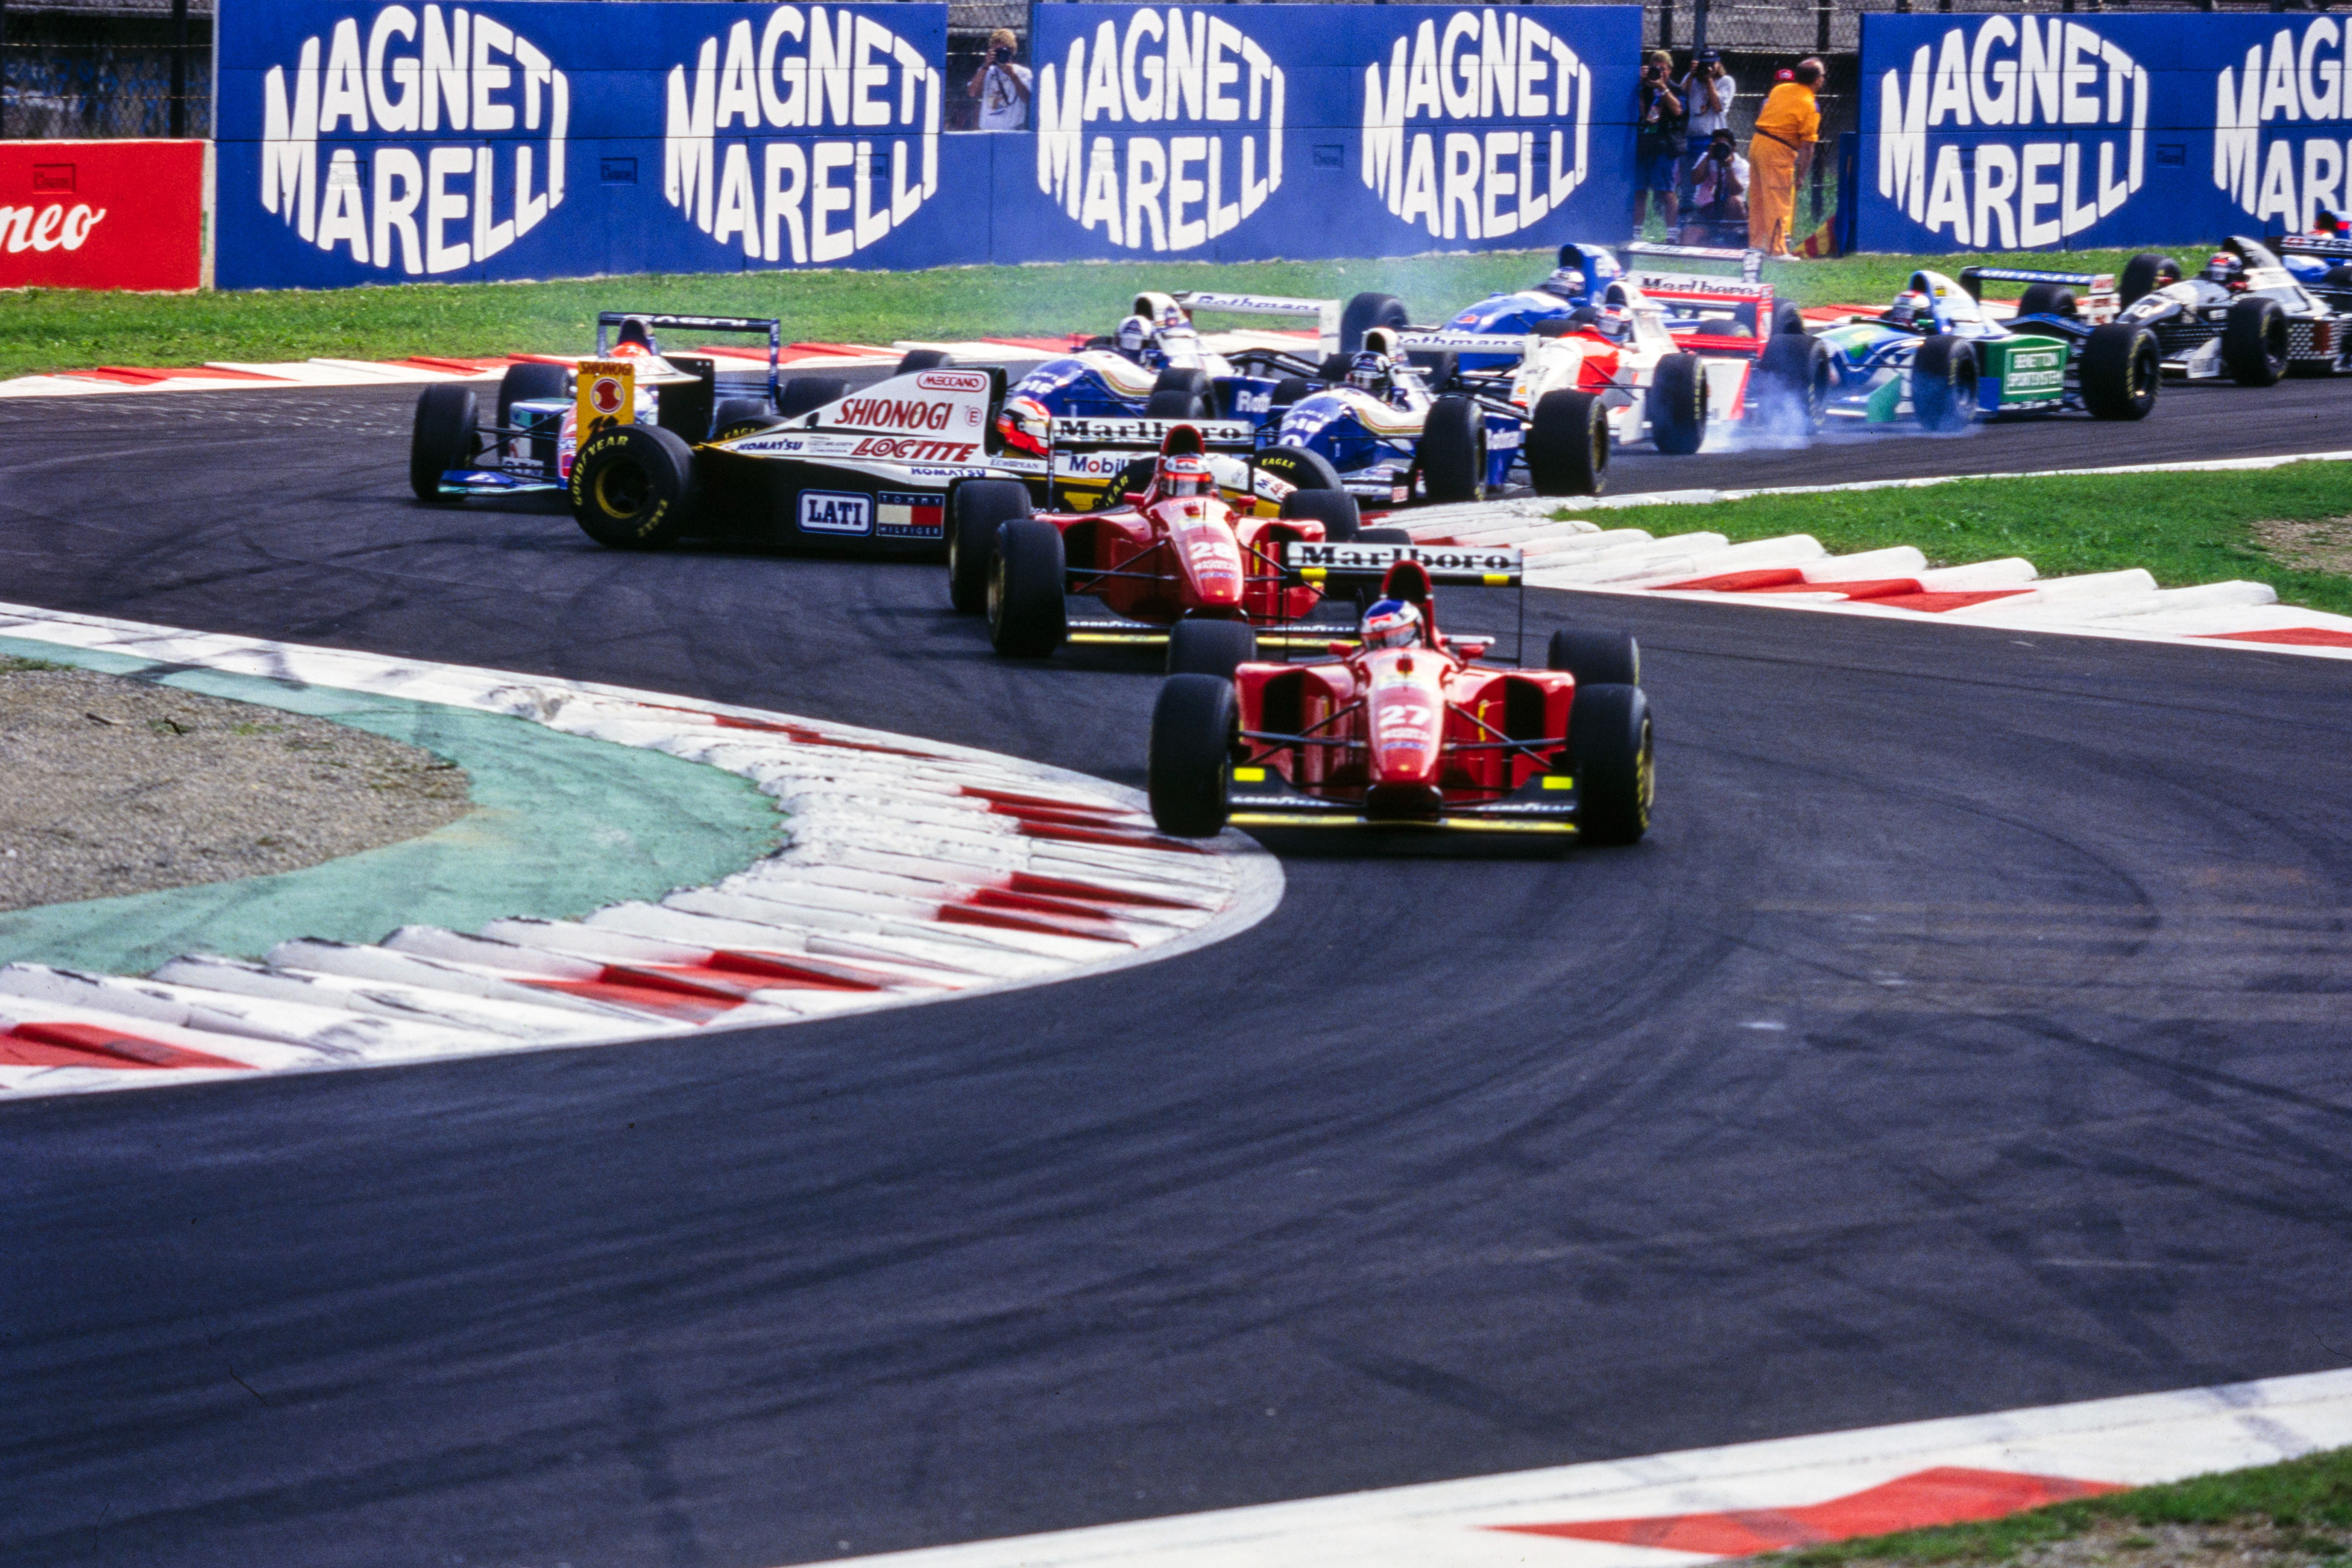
(836, 512)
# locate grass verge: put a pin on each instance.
(2185, 528)
(61, 329)
(2302, 1509)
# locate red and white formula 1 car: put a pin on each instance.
(1406, 727)
(1176, 560)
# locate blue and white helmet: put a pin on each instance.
(1391, 622)
(1133, 334)
(1373, 372)
(1567, 282)
(1913, 308)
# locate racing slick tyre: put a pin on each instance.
(443, 439)
(1608, 746)
(1944, 384)
(2336, 277)
(1568, 444)
(1438, 368)
(2146, 273)
(1788, 321)
(1210, 648)
(1793, 379)
(1554, 327)
(740, 417)
(1299, 467)
(1181, 394)
(1194, 726)
(1364, 312)
(1027, 618)
(2047, 299)
(633, 486)
(976, 510)
(1288, 391)
(1596, 659)
(914, 360)
(1452, 454)
(1676, 406)
(2254, 343)
(1334, 369)
(1335, 509)
(805, 393)
(530, 383)
(2122, 372)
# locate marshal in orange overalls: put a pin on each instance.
(1789, 119)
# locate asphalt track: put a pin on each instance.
(1969, 1034)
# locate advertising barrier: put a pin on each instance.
(1998, 133)
(102, 215)
(364, 144)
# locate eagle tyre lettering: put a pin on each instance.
(633, 486)
(836, 512)
(2121, 372)
(1609, 743)
(443, 439)
(1193, 727)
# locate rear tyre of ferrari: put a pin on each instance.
(2146, 273)
(1676, 406)
(1364, 312)
(1210, 648)
(1944, 384)
(923, 359)
(1027, 616)
(2122, 370)
(1596, 659)
(442, 439)
(1568, 444)
(1610, 744)
(803, 393)
(1193, 727)
(633, 487)
(1793, 380)
(2254, 343)
(1181, 394)
(1335, 509)
(976, 510)
(1452, 454)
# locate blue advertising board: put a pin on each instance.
(2004, 131)
(373, 143)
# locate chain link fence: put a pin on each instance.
(83, 69)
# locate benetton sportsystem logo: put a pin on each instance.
(2288, 82)
(2058, 73)
(822, 68)
(1486, 65)
(429, 214)
(1193, 70)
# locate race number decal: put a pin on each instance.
(836, 512)
(608, 395)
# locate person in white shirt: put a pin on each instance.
(1707, 94)
(1001, 85)
(1719, 206)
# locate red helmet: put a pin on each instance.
(1184, 474)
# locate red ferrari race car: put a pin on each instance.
(1404, 727)
(1173, 558)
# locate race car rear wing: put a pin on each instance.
(1492, 566)
(2335, 245)
(608, 321)
(1325, 311)
(1751, 262)
(2101, 304)
(1084, 433)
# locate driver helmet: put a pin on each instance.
(634, 341)
(1172, 315)
(2226, 268)
(1391, 622)
(1913, 308)
(1568, 282)
(1373, 372)
(1613, 321)
(1133, 334)
(1185, 474)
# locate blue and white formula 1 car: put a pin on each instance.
(2248, 313)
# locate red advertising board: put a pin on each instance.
(102, 215)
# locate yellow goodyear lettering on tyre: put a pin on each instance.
(607, 394)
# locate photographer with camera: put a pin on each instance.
(1707, 94)
(1659, 116)
(1718, 209)
(1001, 85)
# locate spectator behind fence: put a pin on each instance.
(1658, 146)
(1718, 214)
(1706, 95)
(1778, 156)
(1001, 85)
